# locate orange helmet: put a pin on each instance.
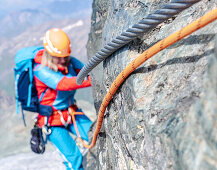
(57, 43)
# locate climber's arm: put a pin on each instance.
(58, 81)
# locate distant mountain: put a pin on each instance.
(77, 29)
(17, 22)
(16, 136)
(73, 8)
(25, 28)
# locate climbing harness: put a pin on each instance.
(146, 24)
(45, 130)
(65, 123)
(166, 42)
(71, 118)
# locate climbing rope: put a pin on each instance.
(168, 41)
(151, 21)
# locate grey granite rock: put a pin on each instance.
(164, 116)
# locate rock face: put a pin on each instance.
(164, 116)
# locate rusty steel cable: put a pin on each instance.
(166, 42)
(146, 24)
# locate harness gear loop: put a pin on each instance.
(65, 123)
(46, 130)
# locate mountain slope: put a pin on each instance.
(77, 30)
(18, 21)
(17, 136)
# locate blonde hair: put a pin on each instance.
(47, 60)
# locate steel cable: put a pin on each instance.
(151, 21)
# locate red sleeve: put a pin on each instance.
(66, 84)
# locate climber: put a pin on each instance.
(55, 80)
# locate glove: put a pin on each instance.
(36, 142)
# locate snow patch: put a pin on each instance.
(77, 24)
(69, 27)
(31, 161)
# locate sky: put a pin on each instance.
(28, 12)
(7, 6)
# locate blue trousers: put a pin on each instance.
(60, 137)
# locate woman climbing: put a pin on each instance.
(55, 79)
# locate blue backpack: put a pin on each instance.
(25, 90)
